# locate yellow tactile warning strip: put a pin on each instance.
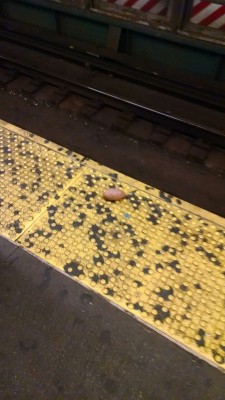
(33, 174)
(151, 254)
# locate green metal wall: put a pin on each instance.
(138, 41)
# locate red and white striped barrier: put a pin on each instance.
(151, 6)
(208, 14)
(203, 12)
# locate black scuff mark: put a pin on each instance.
(198, 286)
(211, 257)
(132, 263)
(52, 210)
(140, 253)
(175, 229)
(138, 307)
(116, 272)
(59, 185)
(110, 292)
(159, 266)
(101, 209)
(66, 204)
(114, 176)
(109, 219)
(165, 293)
(69, 173)
(128, 229)
(116, 235)
(31, 239)
(161, 315)
(35, 186)
(53, 225)
(80, 221)
(15, 225)
(135, 243)
(165, 196)
(175, 266)
(98, 259)
(51, 220)
(138, 283)
(9, 162)
(90, 180)
(105, 278)
(153, 219)
(90, 196)
(37, 170)
(156, 214)
(95, 278)
(97, 234)
(169, 249)
(43, 197)
(134, 200)
(73, 268)
(115, 255)
(23, 197)
(46, 251)
(195, 238)
(6, 150)
(183, 235)
(98, 277)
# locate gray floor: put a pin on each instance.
(61, 341)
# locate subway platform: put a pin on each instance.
(146, 296)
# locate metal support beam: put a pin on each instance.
(113, 38)
(175, 13)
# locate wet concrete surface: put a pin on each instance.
(145, 162)
(61, 341)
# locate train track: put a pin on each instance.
(95, 79)
(193, 132)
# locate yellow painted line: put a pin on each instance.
(153, 255)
